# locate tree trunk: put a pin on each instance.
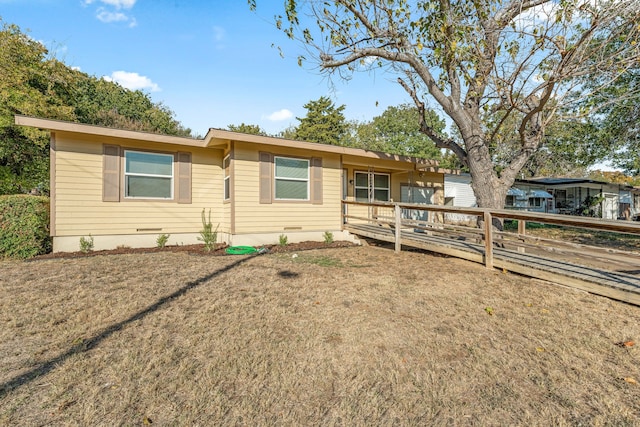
(489, 189)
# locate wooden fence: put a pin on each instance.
(391, 214)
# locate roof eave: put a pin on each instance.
(218, 137)
(72, 127)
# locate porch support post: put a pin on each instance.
(488, 239)
(398, 225)
(345, 212)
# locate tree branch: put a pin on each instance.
(440, 142)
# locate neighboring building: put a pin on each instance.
(516, 199)
(572, 196)
(529, 197)
(126, 188)
(630, 203)
(635, 203)
(458, 192)
(551, 195)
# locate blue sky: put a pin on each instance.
(211, 62)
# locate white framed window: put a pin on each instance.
(510, 201)
(379, 187)
(226, 164)
(148, 175)
(535, 202)
(291, 178)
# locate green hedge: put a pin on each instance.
(24, 226)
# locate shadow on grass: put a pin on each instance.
(287, 274)
(46, 367)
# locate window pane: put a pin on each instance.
(144, 186)
(381, 195)
(362, 195)
(291, 189)
(292, 168)
(362, 180)
(226, 189)
(381, 181)
(149, 163)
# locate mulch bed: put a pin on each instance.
(220, 250)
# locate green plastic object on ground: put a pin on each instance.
(241, 250)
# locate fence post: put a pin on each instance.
(488, 239)
(398, 214)
(345, 212)
(522, 230)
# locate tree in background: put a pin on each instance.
(103, 103)
(568, 148)
(397, 131)
(520, 59)
(34, 84)
(29, 81)
(324, 123)
(619, 120)
(614, 177)
(249, 129)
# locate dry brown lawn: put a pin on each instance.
(351, 336)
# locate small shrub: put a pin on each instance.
(24, 226)
(328, 237)
(283, 240)
(86, 244)
(208, 235)
(162, 240)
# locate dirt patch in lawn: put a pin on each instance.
(336, 336)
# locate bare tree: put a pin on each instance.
(516, 60)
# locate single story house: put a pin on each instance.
(126, 188)
(570, 195)
(529, 197)
(550, 195)
(458, 192)
(630, 203)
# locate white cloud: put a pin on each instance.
(218, 33)
(133, 81)
(118, 4)
(280, 115)
(106, 16)
(112, 11)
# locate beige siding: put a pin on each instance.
(78, 192)
(80, 210)
(253, 217)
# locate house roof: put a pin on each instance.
(571, 181)
(561, 181)
(65, 126)
(216, 138)
(517, 193)
(539, 194)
